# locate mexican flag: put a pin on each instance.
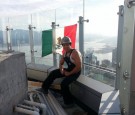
(47, 39)
(47, 42)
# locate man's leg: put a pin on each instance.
(65, 88)
(49, 80)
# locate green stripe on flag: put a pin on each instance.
(47, 42)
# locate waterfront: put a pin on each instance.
(100, 50)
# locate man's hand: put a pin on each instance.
(66, 73)
(62, 71)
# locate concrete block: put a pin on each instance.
(13, 81)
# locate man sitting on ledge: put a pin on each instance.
(73, 59)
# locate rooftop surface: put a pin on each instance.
(75, 110)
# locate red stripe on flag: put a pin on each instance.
(70, 31)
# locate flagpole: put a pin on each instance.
(53, 46)
(83, 8)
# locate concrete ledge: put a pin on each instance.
(39, 72)
(98, 96)
(95, 86)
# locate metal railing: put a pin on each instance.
(99, 73)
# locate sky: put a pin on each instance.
(101, 13)
(17, 7)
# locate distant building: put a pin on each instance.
(114, 57)
(105, 63)
(90, 59)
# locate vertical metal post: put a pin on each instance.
(127, 74)
(119, 45)
(31, 43)
(81, 40)
(54, 43)
(8, 38)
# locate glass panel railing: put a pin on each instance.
(100, 40)
(70, 14)
(3, 41)
(3, 36)
(102, 74)
(47, 60)
(100, 35)
(20, 34)
(42, 21)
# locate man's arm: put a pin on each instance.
(61, 65)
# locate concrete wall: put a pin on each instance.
(13, 81)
